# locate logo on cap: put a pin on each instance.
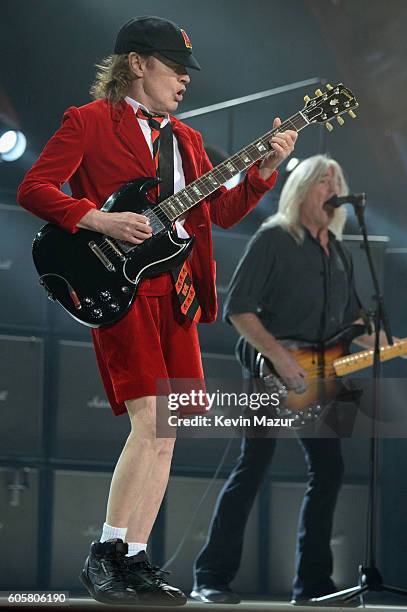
(186, 39)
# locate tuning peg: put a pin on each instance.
(352, 114)
(329, 126)
(307, 98)
(318, 92)
(340, 120)
(329, 86)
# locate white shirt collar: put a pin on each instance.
(136, 105)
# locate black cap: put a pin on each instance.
(153, 34)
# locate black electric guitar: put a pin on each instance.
(95, 277)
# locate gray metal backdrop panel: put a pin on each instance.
(393, 531)
(202, 456)
(217, 366)
(228, 247)
(64, 325)
(78, 515)
(364, 286)
(86, 427)
(21, 395)
(182, 498)
(18, 528)
(347, 542)
(396, 289)
(218, 337)
(23, 302)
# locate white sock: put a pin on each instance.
(111, 533)
(135, 548)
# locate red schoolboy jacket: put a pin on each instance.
(99, 147)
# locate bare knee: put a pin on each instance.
(142, 414)
(150, 444)
(143, 434)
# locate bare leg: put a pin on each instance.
(142, 518)
(141, 474)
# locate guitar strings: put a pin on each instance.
(164, 211)
(250, 150)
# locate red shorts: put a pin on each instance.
(154, 340)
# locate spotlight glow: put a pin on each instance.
(8, 141)
(294, 161)
(12, 146)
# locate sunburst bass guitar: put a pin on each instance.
(323, 381)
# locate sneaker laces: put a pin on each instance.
(154, 572)
(114, 564)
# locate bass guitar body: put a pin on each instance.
(321, 383)
(325, 368)
(95, 277)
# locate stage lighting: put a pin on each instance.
(293, 163)
(13, 143)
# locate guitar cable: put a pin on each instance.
(198, 507)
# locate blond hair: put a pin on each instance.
(113, 78)
(300, 180)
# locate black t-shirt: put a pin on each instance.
(296, 290)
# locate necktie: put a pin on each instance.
(163, 156)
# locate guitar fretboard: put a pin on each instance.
(179, 203)
(364, 359)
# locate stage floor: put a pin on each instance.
(82, 603)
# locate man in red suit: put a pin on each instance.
(99, 147)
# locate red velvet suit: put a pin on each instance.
(99, 147)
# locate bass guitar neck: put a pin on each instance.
(363, 359)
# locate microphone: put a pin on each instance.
(357, 199)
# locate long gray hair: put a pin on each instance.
(307, 173)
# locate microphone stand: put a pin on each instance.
(370, 578)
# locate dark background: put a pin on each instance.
(49, 383)
(49, 48)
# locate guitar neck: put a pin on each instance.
(364, 359)
(334, 102)
(185, 199)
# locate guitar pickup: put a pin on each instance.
(115, 249)
(100, 255)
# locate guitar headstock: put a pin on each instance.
(332, 103)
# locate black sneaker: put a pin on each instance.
(147, 580)
(104, 574)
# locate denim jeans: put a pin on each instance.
(218, 562)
